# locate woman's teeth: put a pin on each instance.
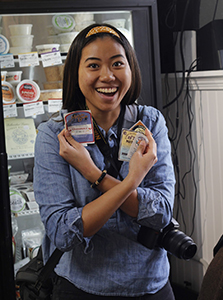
(107, 90)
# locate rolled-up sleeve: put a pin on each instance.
(156, 193)
(60, 211)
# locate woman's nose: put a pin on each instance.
(106, 74)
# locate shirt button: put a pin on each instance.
(110, 139)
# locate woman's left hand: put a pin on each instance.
(77, 155)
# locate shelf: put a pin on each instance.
(21, 156)
(28, 212)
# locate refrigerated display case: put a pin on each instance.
(31, 90)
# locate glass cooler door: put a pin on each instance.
(33, 49)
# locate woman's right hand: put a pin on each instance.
(143, 159)
(77, 156)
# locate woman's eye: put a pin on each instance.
(93, 66)
(118, 64)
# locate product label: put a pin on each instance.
(2, 77)
(7, 94)
(10, 110)
(17, 202)
(139, 127)
(28, 59)
(28, 92)
(20, 135)
(12, 77)
(3, 45)
(64, 22)
(51, 59)
(54, 105)
(33, 109)
(80, 125)
(130, 140)
(7, 61)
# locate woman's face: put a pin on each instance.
(104, 75)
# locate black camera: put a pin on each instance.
(170, 238)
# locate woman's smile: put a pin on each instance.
(107, 93)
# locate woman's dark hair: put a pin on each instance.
(73, 99)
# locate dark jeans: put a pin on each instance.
(64, 290)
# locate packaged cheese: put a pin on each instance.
(8, 93)
(28, 91)
(3, 75)
(52, 85)
(4, 45)
(63, 23)
(45, 95)
(54, 73)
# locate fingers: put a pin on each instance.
(149, 148)
(65, 136)
(142, 146)
(70, 139)
(148, 134)
(61, 137)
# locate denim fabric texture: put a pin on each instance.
(64, 290)
(112, 262)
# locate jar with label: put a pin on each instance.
(28, 91)
(8, 93)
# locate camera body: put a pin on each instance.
(170, 238)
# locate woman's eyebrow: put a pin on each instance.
(92, 58)
(117, 55)
(96, 58)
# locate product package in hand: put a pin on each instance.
(130, 140)
(80, 125)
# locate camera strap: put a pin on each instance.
(110, 154)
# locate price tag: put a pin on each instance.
(33, 109)
(54, 105)
(51, 59)
(7, 61)
(10, 110)
(28, 59)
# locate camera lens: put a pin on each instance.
(178, 244)
(188, 249)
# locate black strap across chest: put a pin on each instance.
(110, 154)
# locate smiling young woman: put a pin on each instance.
(104, 79)
(91, 204)
(104, 76)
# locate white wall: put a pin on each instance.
(207, 9)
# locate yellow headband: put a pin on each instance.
(100, 29)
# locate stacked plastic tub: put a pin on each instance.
(21, 38)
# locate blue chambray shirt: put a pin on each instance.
(112, 262)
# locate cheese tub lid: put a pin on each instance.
(17, 201)
(28, 91)
(63, 23)
(4, 45)
(8, 93)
